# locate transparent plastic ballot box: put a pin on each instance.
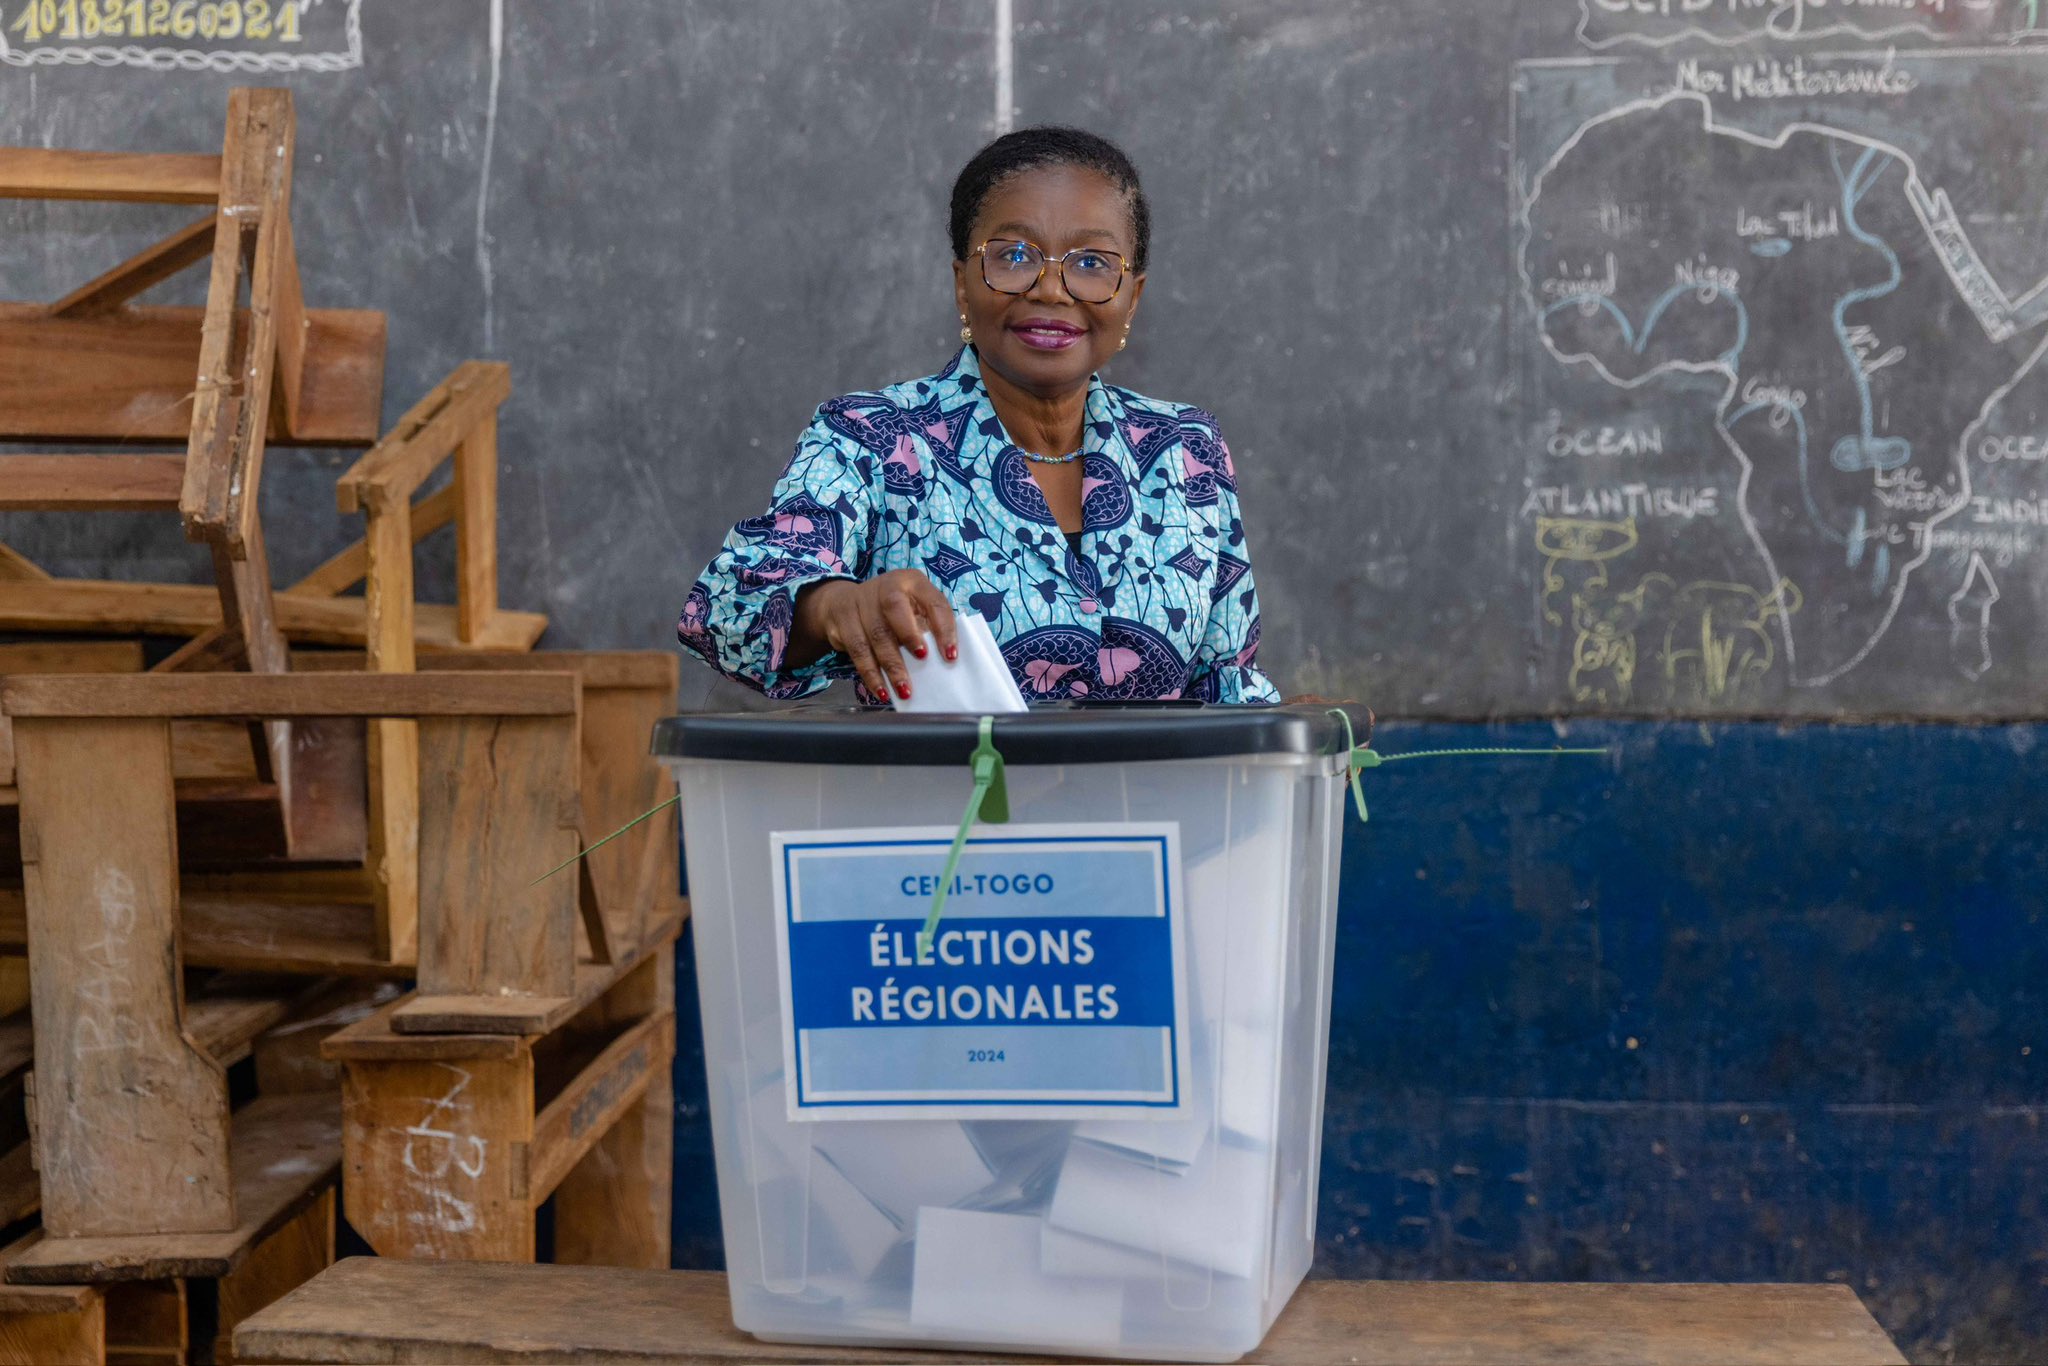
(1077, 1111)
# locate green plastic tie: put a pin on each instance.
(1364, 756)
(989, 803)
(607, 839)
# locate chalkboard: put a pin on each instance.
(1669, 357)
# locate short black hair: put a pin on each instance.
(1048, 145)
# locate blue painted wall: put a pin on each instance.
(1741, 1002)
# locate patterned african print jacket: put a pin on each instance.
(1158, 604)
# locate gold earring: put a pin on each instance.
(966, 332)
(1126, 339)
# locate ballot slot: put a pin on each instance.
(919, 1214)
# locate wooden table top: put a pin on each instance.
(367, 1309)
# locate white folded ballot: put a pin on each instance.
(906, 1163)
(978, 682)
(977, 1276)
(1205, 1215)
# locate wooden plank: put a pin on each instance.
(326, 816)
(476, 529)
(69, 483)
(143, 271)
(435, 1157)
(366, 1310)
(287, 1150)
(114, 177)
(614, 1207)
(347, 567)
(651, 669)
(253, 933)
(21, 1191)
(15, 565)
(226, 1015)
(250, 614)
(148, 1322)
(394, 745)
(625, 692)
(128, 376)
(278, 1265)
(397, 465)
(585, 1111)
(378, 1036)
(64, 657)
(257, 935)
(56, 1339)
(289, 305)
(498, 808)
(100, 867)
(104, 607)
(453, 1013)
(231, 412)
(288, 1054)
(38, 1299)
(73, 657)
(393, 814)
(482, 695)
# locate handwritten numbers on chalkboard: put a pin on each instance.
(216, 20)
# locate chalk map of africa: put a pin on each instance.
(1784, 410)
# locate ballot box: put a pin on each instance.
(1081, 1111)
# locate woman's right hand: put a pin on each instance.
(872, 624)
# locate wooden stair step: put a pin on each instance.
(71, 483)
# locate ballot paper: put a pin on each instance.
(1207, 1215)
(817, 1230)
(1061, 1253)
(901, 1165)
(1235, 896)
(978, 682)
(976, 1278)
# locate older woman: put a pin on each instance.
(1095, 529)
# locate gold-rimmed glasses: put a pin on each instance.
(1010, 265)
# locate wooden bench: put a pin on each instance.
(367, 1309)
(114, 1036)
(451, 1143)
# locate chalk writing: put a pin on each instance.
(108, 1025)
(189, 35)
(433, 1152)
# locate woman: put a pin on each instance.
(1096, 530)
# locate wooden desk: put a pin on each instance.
(367, 1309)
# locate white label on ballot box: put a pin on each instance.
(1054, 987)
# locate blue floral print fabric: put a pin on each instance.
(1159, 603)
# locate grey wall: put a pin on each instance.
(635, 221)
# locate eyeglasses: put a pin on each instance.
(1089, 274)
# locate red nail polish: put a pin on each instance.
(903, 691)
(919, 651)
(952, 652)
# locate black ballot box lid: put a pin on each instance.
(1049, 733)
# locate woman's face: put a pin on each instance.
(1045, 341)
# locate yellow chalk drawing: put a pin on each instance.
(1717, 639)
(1573, 540)
(1720, 645)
